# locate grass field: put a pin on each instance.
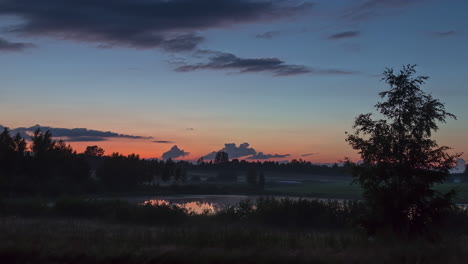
(84, 241)
(345, 190)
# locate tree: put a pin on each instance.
(251, 177)
(42, 143)
(94, 151)
(261, 181)
(221, 158)
(401, 163)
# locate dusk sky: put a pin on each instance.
(286, 77)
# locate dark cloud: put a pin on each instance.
(190, 129)
(227, 61)
(162, 141)
(308, 154)
(244, 150)
(261, 156)
(443, 34)
(174, 153)
(74, 134)
(83, 139)
(182, 43)
(268, 35)
(166, 24)
(6, 45)
(233, 151)
(345, 35)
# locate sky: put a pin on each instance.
(274, 80)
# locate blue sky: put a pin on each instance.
(76, 76)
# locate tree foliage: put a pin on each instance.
(401, 163)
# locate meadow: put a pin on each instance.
(267, 230)
(343, 189)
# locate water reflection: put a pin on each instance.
(196, 207)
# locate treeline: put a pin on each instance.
(46, 166)
(295, 166)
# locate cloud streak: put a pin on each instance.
(276, 67)
(344, 35)
(143, 24)
(74, 134)
(368, 9)
(268, 35)
(261, 156)
(443, 34)
(6, 45)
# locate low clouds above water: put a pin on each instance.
(243, 150)
(167, 24)
(73, 134)
(174, 153)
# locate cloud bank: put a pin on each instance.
(243, 150)
(171, 25)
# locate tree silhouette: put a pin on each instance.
(221, 158)
(42, 143)
(94, 151)
(252, 177)
(401, 163)
(261, 181)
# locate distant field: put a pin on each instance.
(344, 190)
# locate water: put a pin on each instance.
(199, 204)
(194, 203)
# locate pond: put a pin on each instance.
(200, 203)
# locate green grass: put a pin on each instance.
(265, 231)
(332, 190)
(344, 190)
(83, 241)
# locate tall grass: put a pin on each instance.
(285, 213)
(88, 241)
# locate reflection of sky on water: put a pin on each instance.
(196, 207)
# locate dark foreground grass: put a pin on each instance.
(84, 241)
(265, 231)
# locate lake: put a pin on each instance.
(200, 203)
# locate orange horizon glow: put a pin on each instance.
(147, 149)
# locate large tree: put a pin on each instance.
(401, 163)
